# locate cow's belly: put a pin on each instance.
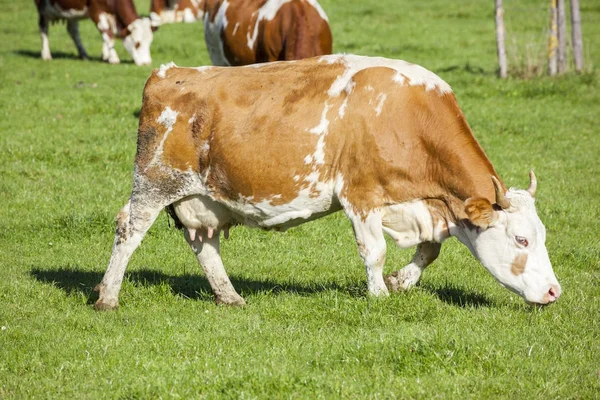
(55, 12)
(198, 212)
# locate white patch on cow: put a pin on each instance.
(408, 223)
(319, 155)
(415, 74)
(235, 28)
(155, 19)
(380, 100)
(308, 159)
(167, 119)
(266, 13)
(212, 35)
(162, 71)
(55, 11)
(296, 178)
(138, 41)
(46, 55)
(319, 9)
(192, 119)
(188, 15)
(103, 22)
(204, 68)
(323, 124)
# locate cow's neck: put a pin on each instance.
(461, 171)
(126, 13)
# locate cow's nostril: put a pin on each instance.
(552, 294)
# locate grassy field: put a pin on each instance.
(67, 142)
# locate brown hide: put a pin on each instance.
(250, 136)
(297, 31)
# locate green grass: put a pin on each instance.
(67, 142)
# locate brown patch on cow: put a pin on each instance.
(122, 225)
(518, 265)
(480, 212)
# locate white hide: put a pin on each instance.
(416, 74)
(138, 42)
(497, 249)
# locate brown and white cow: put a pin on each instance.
(113, 18)
(279, 144)
(241, 32)
(170, 11)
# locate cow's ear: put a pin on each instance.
(480, 212)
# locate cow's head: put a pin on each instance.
(509, 239)
(138, 41)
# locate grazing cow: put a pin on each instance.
(280, 144)
(114, 18)
(169, 11)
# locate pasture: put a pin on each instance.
(67, 143)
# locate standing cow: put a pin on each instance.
(280, 144)
(170, 11)
(241, 32)
(113, 18)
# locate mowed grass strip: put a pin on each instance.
(67, 141)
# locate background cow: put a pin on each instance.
(382, 140)
(241, 32)
(113, 18)
(169, 11)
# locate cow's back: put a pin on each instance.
(373, 130)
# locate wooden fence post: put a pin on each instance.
(576, 36)
(553, 40)
(502, 72)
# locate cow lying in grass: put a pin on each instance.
(280, 144)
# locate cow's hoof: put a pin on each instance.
(230, 300)
(105, 306)
(84, 57)
(396, 282)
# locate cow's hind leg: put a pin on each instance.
(203, 219)
(206, 247)
(372, 248)
(409, 276)
(43, 23)
(133, 221)
(73, 29)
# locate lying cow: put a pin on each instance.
(170, 11)
(113, 18)
(280, 144)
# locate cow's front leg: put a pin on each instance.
(409, 276)
(372, 249)
(43, 23)
(73, 29)
(206, 245)
(133, 221)
(108, 49)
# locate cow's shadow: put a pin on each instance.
(191, 286)
(458, 297)
(61, 55)
(194, 286)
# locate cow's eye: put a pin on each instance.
(522, 241)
